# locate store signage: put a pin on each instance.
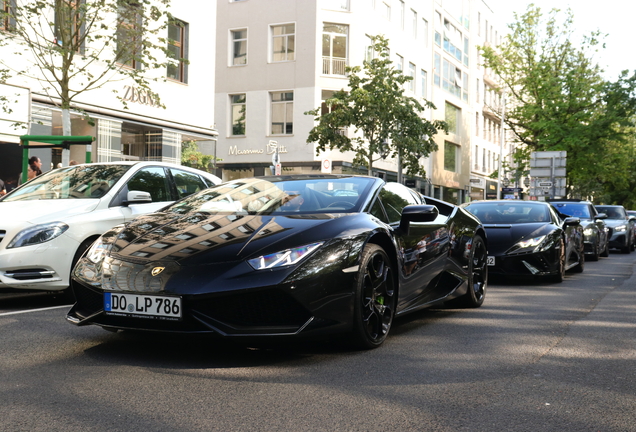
(143, 97)
(235, 151)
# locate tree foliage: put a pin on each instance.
(191, 156)
(74, 46)
(387, 123)
(559, 100)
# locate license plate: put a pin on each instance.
(491, 261)
(143, 306)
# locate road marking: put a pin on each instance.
(34, 310)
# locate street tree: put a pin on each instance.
(557, 97)
(71, 47)
(387, 123)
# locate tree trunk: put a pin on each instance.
(66, 131)
(370, 170)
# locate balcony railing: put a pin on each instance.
(334, 66)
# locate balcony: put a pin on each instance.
(334, 66)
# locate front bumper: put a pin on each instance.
(530, 264)
(45, 267)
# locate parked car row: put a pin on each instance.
(159, 247)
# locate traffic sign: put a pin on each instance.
(325, 166)
(545, 184)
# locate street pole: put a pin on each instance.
(501, 145)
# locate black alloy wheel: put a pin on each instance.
(375, 298)
(477, 275)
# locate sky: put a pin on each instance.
(613, 17)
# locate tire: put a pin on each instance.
(581, 265)
(375, 299)
(68, 292)
(597, 251)
(477, 275)
(605, 252)
(560, 275)
(627, 248)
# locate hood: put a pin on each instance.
(502, 237)
(201, 239)
(616, 222)
(17, 213)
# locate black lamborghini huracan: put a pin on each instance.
(284, 256)
(529, 238)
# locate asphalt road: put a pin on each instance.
(535, 357)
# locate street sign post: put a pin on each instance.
(548, 173)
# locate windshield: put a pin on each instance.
(573, 209)
(509, 213)
(612, 212)
(279, 196)
(74, 182)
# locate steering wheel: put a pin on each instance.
(345, 204)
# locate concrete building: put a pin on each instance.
(143, 131)
(277, 59)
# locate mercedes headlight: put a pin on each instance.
(620, 228)
(38, 234)
(531, 245)
(284, 258)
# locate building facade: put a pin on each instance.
(277, 59)
(140, 128)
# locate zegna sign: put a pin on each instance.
(269, 149)
(142, 97)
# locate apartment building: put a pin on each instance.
(277, 59)
(142, 131)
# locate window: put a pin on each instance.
(450, 156)
(451, 115)
(152, 180)
(187, 183)
(238, 114)
(334, 48)
(394, 197)
(283, 42)
(68, 24)
(414, 23)
(437, 69)
(282, 113)
(411, 84)
(425, 31)
(399, 62)
(402, 14)
(5, 10)
(423, 83)
(177, 34)
(369, 53)
(129, 22)
(386, 10)
(239, 47)
(452, 78)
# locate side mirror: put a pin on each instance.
(417, 213)
(137, 197)
(601, 216)
(571, 221)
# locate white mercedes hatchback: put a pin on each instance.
(48, 223)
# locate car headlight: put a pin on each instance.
(620, 228)
(530, 245)
(588, 232)
(38, 234)
(284, 258)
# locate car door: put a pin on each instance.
(422, 252)
(152, 179)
